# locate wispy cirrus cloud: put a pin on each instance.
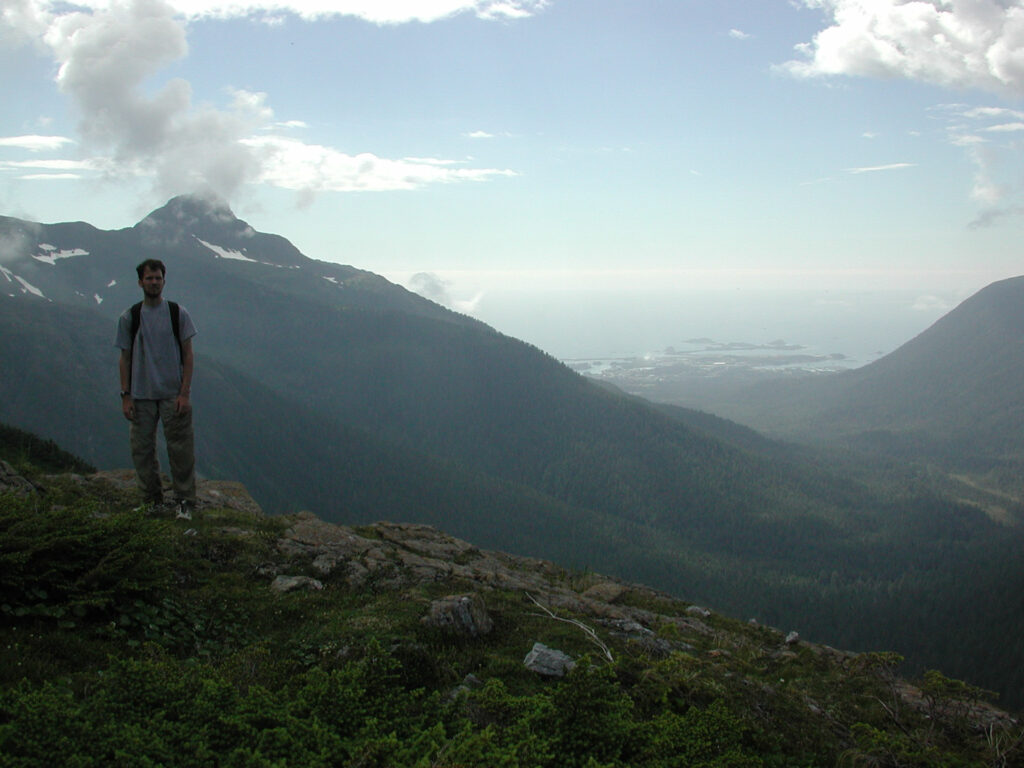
(375, 11)
(992, 139)
(877, 168)
(54, 165)
(36, 143)
(299, 166)
(48, 170)
(1004, 128)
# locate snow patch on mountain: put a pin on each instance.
(50, 254)
(26, 287)
(226, 253)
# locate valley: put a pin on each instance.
(326, 388)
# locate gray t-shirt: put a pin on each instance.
(156, 359)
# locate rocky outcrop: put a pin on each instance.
(462, 615)
(395, 555)
(548, 662)
(312, 555)
(209, 493)
(12, 482)
(293, 583)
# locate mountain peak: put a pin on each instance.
(189, 210)
(210, 220)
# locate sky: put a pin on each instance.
(462, 146)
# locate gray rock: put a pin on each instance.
(793, 638)
(547, 661)
(325, 562)
(267, 569)
(696, 610)
(291, 583)
(463, 615)
(658, 647)
(606, 592)
(12, 482)
(469, 683)
(627, 627)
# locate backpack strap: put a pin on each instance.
(176, 327)
(136, 319)
(175, 324)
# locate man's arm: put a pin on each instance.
(124, 366)
(183, 403)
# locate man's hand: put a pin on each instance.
(128, 407)
(182, 404)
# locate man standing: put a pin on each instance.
(155, 339)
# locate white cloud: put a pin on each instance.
(106, 59)
(374, 11)
(875, 168)
(49, 165)
(431, 161)
(289, 124)
(108, 52)
(738, 34)
(997, 186)
(437, 289)
(965, 140)
(995, 112)
(50, 176)
(295, 165)
(929, 303)
(36, 143)
(958, 43)
(1005, 128)
(431, 286)
(480, 135)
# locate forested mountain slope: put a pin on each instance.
(325, 387)
(954, 391)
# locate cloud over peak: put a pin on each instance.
(108, 52)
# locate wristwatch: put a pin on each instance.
(125, 392)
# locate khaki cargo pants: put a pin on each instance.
(180, 449)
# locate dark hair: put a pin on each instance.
(152, 265)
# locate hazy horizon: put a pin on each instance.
(597, 319)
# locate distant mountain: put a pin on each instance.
(955, 392)
(325, 387)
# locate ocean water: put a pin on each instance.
(849, 328)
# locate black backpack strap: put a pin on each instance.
(175, 324)
(136, 320)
